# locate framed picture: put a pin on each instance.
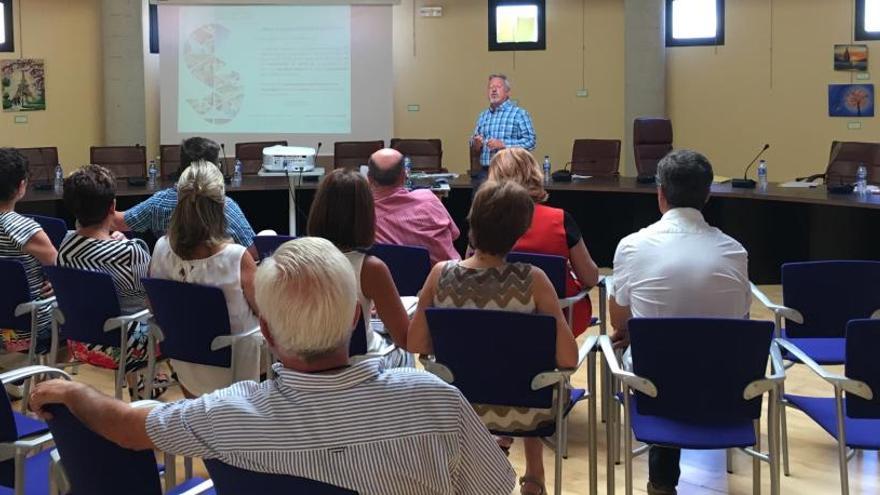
(851, 57)
(851, 100)
(23, 85)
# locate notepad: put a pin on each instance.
(794, 184)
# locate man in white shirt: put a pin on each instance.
(679, 266)
(359, 426)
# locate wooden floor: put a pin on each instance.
(813, 452)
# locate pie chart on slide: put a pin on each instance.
(223, 89)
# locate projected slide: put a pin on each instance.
(265, 70)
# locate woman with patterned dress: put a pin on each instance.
(90, 194)
(500, 214)
(344, 214)
(553, 230)
(23, 240)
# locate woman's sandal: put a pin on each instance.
(528, 480)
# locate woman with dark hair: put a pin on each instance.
(90, 194)
(23, 240)
(343, 213)
(500, 214)
(197, 249)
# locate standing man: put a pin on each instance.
(679, 266)
(502, 125)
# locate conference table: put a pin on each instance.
(776, 225)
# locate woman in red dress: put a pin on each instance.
(553, 230)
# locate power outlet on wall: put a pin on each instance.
(413, 108)
(853, 125)
(21, 119)
(863, 76)
(582, 93)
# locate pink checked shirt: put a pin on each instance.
(415, 218)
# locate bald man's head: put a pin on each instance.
(386, 168)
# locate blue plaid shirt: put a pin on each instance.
(154, 215)
(510, 124)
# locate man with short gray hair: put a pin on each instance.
(357, 426)
(503, 124)
(679, 266)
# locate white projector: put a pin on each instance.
(288, 159)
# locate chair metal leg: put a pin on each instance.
(781, 407)
(562, 435)
(729, 455)
(773, 439)
(617, 423)
(170, 471)
(627, 443)
(609, 461)
(841, 443)
(591, 423)
(20, 457)
(188, 467)
(560, 419)
(756, 463)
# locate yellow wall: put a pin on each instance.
(66, 34)
(446, 75)
(724, 102)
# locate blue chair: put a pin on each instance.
(230, 480)
(88, 311)
(675, 394)
(193, 323)
(509, 359)
(23, 440)
(409, 266)
(94, 465)
(17, 310)
(55, 228)
(852, 419)
(818, 299)
(267, 244)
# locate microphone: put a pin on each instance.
(745, 182)
(318, 150)
(225, 162)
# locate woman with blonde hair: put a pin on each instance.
(553, 230)
(198, 250)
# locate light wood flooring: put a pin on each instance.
(813, 452)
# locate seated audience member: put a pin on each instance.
(411, 218)
(553, 231)
(343, 214)
(678, 267)
(154, 214)
(500, 214)
(197, 250)
(370, 429)
(23, 240)
(90, 194)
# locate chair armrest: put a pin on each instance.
(435, 368)
(228, 340)
(29, 371)
(778, 310)
(849, 385)
(27, 307)
(586, 348)
(632, 380)
(206, 486)
(121, 321)
(138, 404)
(549, 378)
(566, 302)
(759, 387)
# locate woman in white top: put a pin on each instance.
(343, 213)
(197, 250)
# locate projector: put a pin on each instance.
(288, 159)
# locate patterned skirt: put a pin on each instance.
(107, 356)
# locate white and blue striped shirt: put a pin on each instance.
(365, 428)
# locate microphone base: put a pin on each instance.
(645, 179)
(743, 183)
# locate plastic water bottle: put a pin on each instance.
(407, 170)
(59, 179)
(152, 174)
(236, 174)
(762, 175)
(862, 181)
(546, 169)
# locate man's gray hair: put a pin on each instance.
(503, 79)
(307, 293)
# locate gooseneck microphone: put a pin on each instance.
(225, 168)
(745, 182)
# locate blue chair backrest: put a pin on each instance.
(556, 267)
(862, 344)
(86, 299)
(701, 366)
(829, 294)
(409, 266)
(494, 355)
(97, 466)
(55, 228)
(14, 290)
(358, 344)
(8, 430)
(190, 317)
(230, 480)
(267, 244)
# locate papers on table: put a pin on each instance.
(799, 184)
(720, 179)
(580, 177)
